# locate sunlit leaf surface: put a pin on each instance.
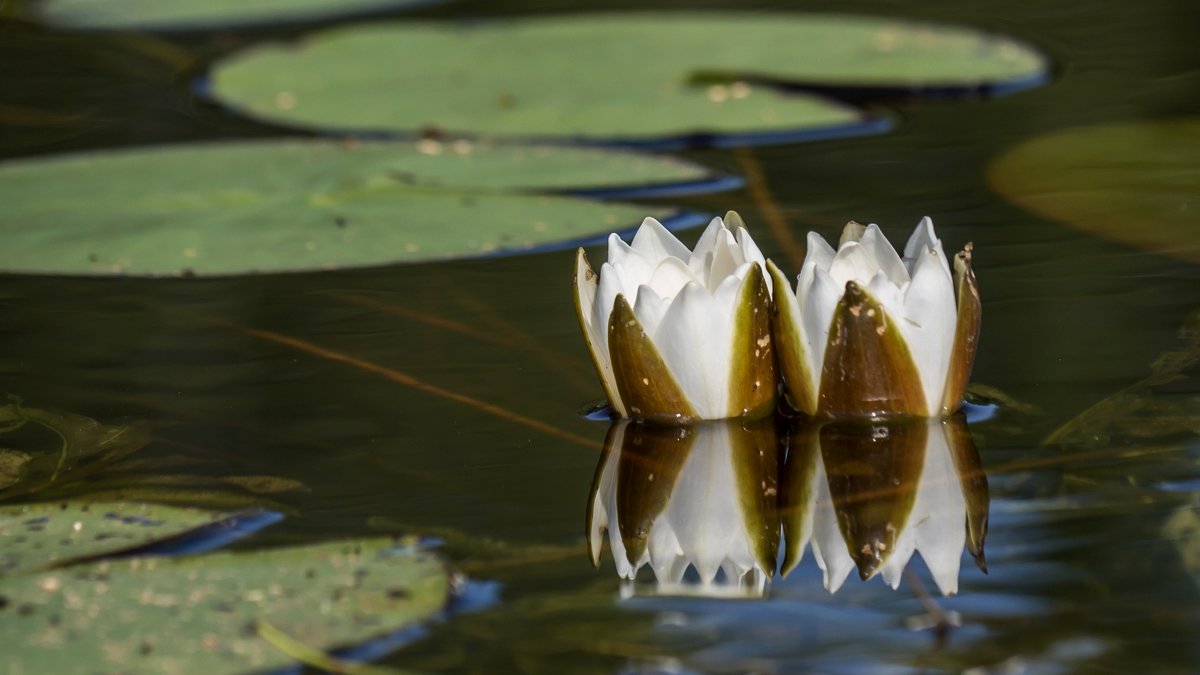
(221, 613)
(297, 205)
(1134, 183)
(609, 76)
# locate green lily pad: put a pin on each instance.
(609, 76)
(221, 613)
(1133, 183)
(302, 205)
(43, 535)
(189, 15)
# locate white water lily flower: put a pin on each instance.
(925, 483)
(679, 335)
(868, 333)
(694, 503)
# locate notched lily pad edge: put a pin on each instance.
(275, 23)
(868, 124)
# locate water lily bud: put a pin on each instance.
(695, 504)
(676, 335)
(868, 333)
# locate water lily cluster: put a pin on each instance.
(718, 331)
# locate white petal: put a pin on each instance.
(655, 242)
(887, 294)
(819, 256)
(923, 239)
(828, 545)
(704, 510)
(941, 536)
(818, 307)
(750, 250)
(724, 261)
(649, 309)
(671, 275)
(885, 257)
(607, 290)
(695, 341)
(906, 542)
(928, 326)
(706, 245)
(853, 262)
(603, 507)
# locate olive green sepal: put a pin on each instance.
(791, 348)
(873, 472)
(966, 332)
(644, 382)
(868, 369)
(756, 457)
(973, 480)
(647, 469)
(752, 379)
(797, 502)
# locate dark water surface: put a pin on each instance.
(1083, 575)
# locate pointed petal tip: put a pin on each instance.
(853, 231)
(733, 220)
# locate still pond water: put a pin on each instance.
(1093, 552)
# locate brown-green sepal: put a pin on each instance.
(868, 369)
(651, 458)
(973, 480)
(756, 465)
(790, 346)
(966, 331)
(752, 380)
(796, 497)
(644, 382)
(873, 470)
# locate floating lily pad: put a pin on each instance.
(611, 77)
(39, 536)
(1133, 183)
(190, 15)
(221, 613)
(299, 205)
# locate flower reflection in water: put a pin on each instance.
(709, 507)
(694, 503)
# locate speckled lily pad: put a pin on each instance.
(613, 77)
(43, 535)
(220, 613)
(305, 205)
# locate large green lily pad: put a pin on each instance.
(221, 613)
(1134, 183)
(609, 76)
(295, 205)
(189, 14)
(42, 535)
